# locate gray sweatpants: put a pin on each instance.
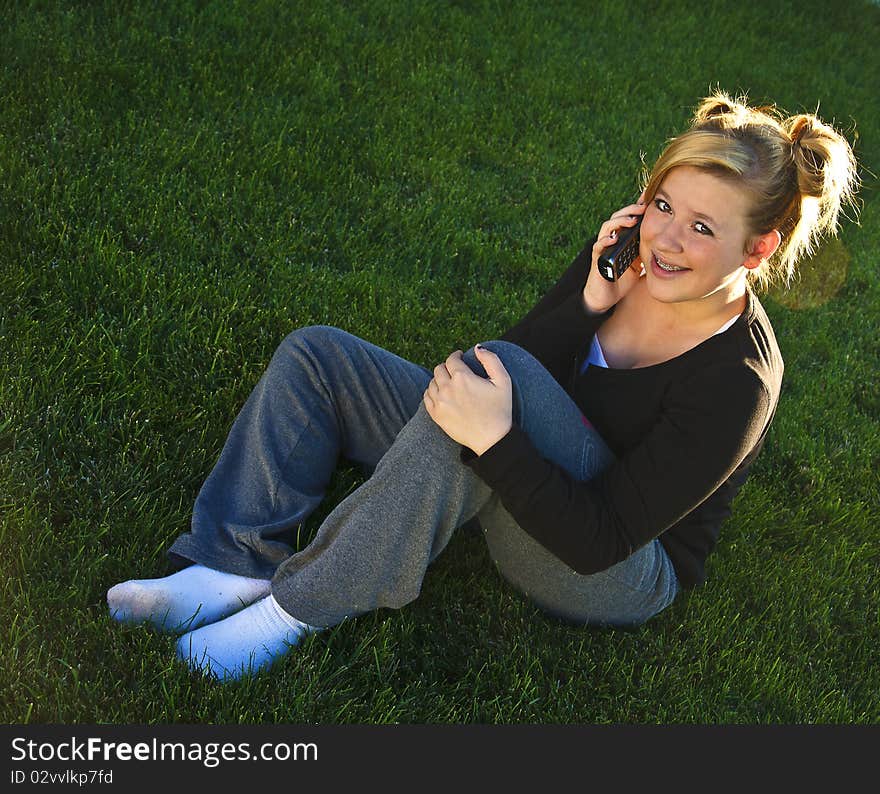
(327, 394)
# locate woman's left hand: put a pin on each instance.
(474, 411)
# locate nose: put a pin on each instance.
(669, 236)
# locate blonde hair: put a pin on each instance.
(799, 171)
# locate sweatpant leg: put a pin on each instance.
(324, 394)
(374, 548)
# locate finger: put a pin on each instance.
(455, 364)
(617, 222)
(629, 212)
(631, 209)
(612, 226)
(441, 374)
(608, 235)
(492, 364)
(604, 242)
(634, 270)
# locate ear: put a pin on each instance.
(762, 249)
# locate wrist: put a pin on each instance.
(490, 440)
(590, 307)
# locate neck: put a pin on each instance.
(714, 309)
(718, 307)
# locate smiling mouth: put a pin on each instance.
(666, 266)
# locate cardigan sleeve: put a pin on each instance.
(708, 425)
(554, 330)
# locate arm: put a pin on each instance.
(555, 329)
(571, 282)
(708, 426)
(558, 325)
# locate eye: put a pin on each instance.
(658, 202)
(708, 231)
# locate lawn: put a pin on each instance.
(181, 185)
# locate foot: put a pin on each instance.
(243, 644)
(189, 598)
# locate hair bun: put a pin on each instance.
(720, 109)
(813, 144)
(826, 167)
(713, 108)
(798, 126)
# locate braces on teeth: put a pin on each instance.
(664, 266)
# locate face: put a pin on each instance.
(695, 226)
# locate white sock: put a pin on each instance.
(184, 600)
(244, 643)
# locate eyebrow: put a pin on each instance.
(696, 214)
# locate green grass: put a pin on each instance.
(182, 186)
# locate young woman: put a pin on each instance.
(600, 442)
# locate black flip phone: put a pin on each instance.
(615, 259)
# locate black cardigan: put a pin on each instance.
(694, 424)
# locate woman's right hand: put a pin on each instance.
(599, 293)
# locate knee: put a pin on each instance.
(308, 346)
(512, 356)
(505, 350)
(312, 337)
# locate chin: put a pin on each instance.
(663, 294)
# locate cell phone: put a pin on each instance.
(614, 260)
